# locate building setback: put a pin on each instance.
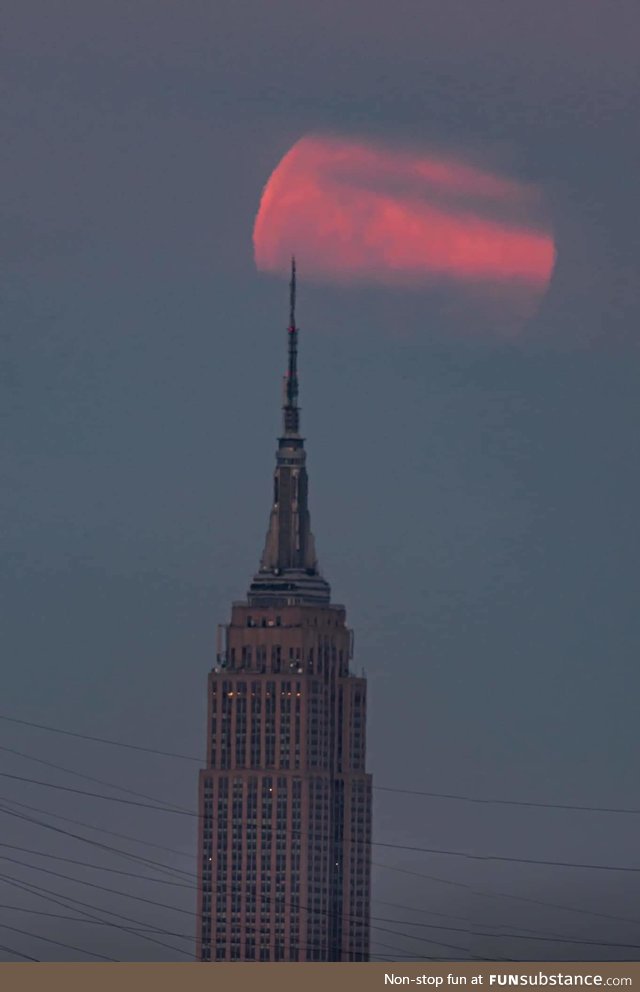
(285, 802)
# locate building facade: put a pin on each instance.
(285, 800)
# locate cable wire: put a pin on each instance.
(59, 943)
(49, 896)
(103, 830)
(154, 865)
(398, 847)
(96, 867)
(18, 954)
(380, 788)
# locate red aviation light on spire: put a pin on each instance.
(363, 213)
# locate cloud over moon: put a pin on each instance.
(356, 212)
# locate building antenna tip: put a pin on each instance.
(292, 294)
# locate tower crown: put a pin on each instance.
(288, 572)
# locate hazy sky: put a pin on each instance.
(474, 502)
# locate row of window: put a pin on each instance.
(275, 658)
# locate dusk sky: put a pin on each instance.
(474, 475)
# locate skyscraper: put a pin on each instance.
(285, 801)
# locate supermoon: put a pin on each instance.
(361, 212)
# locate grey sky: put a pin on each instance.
(474, 502)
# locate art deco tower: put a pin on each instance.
(285, 801)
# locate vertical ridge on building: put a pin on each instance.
(285, 800)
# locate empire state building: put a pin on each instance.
(284, 801)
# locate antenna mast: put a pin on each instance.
(291, 410)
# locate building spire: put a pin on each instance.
(292, 293)
(291, 413)
(288, 567)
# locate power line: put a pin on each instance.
(146, 878)
(74, 919)
(447, 881)
(18, 954)
(96, 885)
(552, 937)
(506, 895)
(464, 919)
(59, 943)
(37, 890)
(459, 797)
(58, 899)
(155, 865)
(556, 905)
(511, 860)
(118, 892)
(398, 847)
(184, 854)
(107, 923)
(78, 919)
(80, 902)
(99, 740)
(49, 894)
(155, 902)
(187, 912)
(514, 936)
(506, 802)
(419, 874)
(167, 808)
(148, 843)
(109, 833)
(99, 795)
(87, 778)
(522, 936)
(187, 885)
(96, 867)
